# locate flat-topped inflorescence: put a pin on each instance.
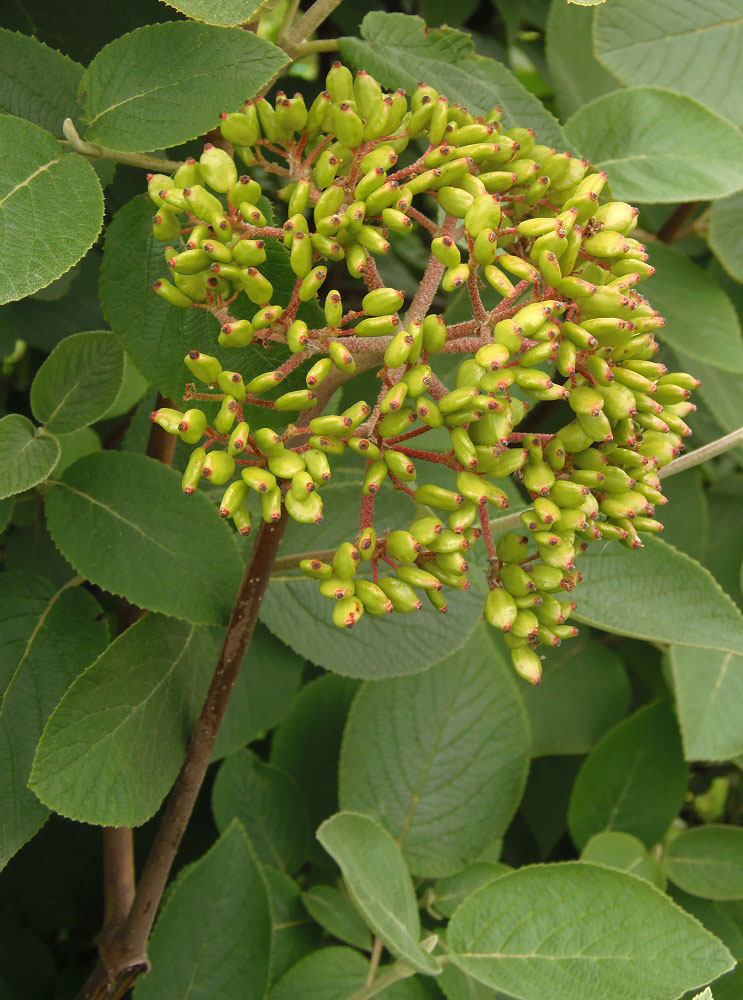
(499, 209)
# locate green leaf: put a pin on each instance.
(724, 552)
(633, 780)
(685, 518)
(165, 83)
(337, 914)
(640, 137)
(76, 445)
(709, 697)
(51, 208)
(448, 893)
(224, 12)
(576, 931)
(6, 511)
(643, 44)
(725, 920)
(335, 974)
(133, 388)
(209, 943)
(440, 758)
(78, 382)
(36, 82)
(138, 702)
(27, 455)
(726, 233)
(544, 807)
(268, 802)
(399, 50)
(707, 861)
(307, 743)
(576, 75)
(624, 852)
(700, 319)
(299, 615)
(657, 593)
(379, 883)
(704, 995)
(267, 682)
(49, 635)
(584, 690)
(457, 986)
(294, 933)
(157, 336)
(135, 506)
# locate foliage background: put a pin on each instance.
(636, 728)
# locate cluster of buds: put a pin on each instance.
(499, 210)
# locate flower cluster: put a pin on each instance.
(499, 210)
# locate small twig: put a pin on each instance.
(316, 45)
(89, 149)
(671, 228)
(118, 876)
(310, 21)
(374, 960)
(703, 454)
(391, 975)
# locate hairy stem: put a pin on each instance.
(672, 227)
(374, 960)
(118, 876)
(703, 454)
(391, 975)
(311, 21)
(95, 152)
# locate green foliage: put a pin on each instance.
(389, 810)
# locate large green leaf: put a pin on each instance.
(577, 931)
(307, 743)
(49, 635)
(707, 861)
(399, 50)
(640, 137)
(633, 780)
(657, 593)
(336, 974)
(709, 696)
(294, 933)
(213, 936)
(267, 682)
(645, 43)
(78, 382)
(724, 553)
(726, 233)
(584, 690)
(51, 208)
(626, 853)
(299, 615)
(123, 522)
(378, 882)
(725, 920)
(440, 758)
(165, 83)
(269, 803)
(448, 893)
(224, 12)
(27, 455)
(700, 319)
(685, 517)
(157, 336)
(36, 82)
(577, 75)
(137, 702)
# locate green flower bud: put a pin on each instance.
(311, 283)
(426, 529)
(347, 612)
(299, 399)
(431, 495)
(318, 372)
(327, 443)
(238, 333)
(373, 598)
(404, 598)
(366, 543)
(316, 569)
(260, 480)
(193, 471)
(203, 366)
(233, 499)
(218, 467)
(238, 439)
(268, 441)
(225, 418)
(396, 422)
(374, 476)
(300, 256)
(341, 357)
(460, 520)
(403, 546)
(286, 464)
(364, 447)
(306, 511)
(448, 540)
(262, 383)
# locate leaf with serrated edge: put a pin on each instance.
(439, 758)
(51, 208)
(27, 457)
(49, 635)
(213, 935)
(223, 12)
(78, 382)
(640, 137)
(692, 47)
(399, 50)
(707, 861)
(657, 593)
(379, 883)
(36, 82)
(708, 685)
(577, 931)
(633, 780)
(138, 701)
(123, 522)
(162, 84)
(726, 233)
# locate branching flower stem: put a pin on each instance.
(95, 152)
